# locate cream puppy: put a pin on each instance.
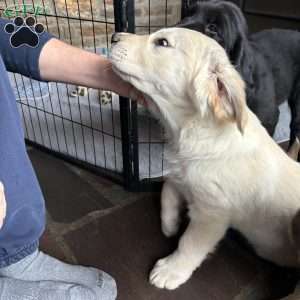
(225, 166)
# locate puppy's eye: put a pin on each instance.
(212, 27)
(161, 43)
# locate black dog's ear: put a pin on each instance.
(246, 69)
(237, 2)
(241, 57)
(240, 52)
(237, 39)
(189, 7)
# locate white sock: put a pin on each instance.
(42, 267)
(15, 289)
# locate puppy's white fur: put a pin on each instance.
(224, 164)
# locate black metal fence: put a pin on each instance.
(95, 129)
(144, 143)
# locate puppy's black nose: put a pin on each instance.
(115, 38)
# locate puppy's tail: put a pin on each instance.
(294, 150)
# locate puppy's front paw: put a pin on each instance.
(2, 205)
(169, 273)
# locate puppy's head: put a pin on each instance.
(221, 20)
(184, 75)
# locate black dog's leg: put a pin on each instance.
(267, 112)
(294, 102)
(270, 121)
(262, 99)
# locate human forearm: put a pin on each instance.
(64, 63)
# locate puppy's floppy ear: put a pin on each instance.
(220, 89)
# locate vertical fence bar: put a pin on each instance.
(134, 108)
(124, 21)
(120, 25)
(130, 13)
(184, 6)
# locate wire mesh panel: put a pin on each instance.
(79, 123)
(151, 16)
(88, 126)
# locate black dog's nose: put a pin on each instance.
(115, 38)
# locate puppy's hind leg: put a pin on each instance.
(200, 239)
(171, 203)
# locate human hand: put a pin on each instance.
(2, 204)
(117, 85)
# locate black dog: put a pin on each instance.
(269, 61)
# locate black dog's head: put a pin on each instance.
(222, 21)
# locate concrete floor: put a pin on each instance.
(92, 221)
(74, 197)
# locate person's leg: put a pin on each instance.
(25, 219)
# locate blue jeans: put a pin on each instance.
(25, 219)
